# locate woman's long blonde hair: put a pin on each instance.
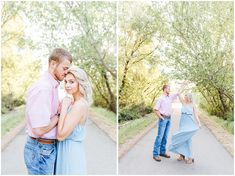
(84, 83)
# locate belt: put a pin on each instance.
(44, 141)
(166, 116)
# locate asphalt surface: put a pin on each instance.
(211, 158)
(100, 153)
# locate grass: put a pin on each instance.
(130, 129)
(12, 119)
(225, 124)
(105, 114)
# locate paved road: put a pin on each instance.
(100, 151)
(210, 156)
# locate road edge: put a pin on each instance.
(124, 148)
(224, 137)
(7, 138)
(109, 129)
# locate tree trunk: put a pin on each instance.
(112, 99)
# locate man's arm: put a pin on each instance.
(43, 130)
(157, 112)
(39, 112)
(157, 107)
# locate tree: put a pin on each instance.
(15, 77)
(199, 48)
(87, 30)
(139, 76)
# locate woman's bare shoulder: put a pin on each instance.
(81, 104)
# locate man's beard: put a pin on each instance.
(57, 77)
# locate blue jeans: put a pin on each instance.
(161, 139)
(39, 158)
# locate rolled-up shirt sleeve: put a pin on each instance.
(38, 109)
(158, 104)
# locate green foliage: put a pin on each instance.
(132, 128)
(16, 79)
(139, 70)
(133, 112)
(12, 119)
(106, 114)
(87, 29)
(225, 122)
(19, 68)
(199, 48)
(127, 114)
(229, 116)
(183, 40)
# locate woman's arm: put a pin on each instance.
(196, 115)
(66, 102)
(70, 120)
(181, 89)
(180, 98)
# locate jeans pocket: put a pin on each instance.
(29, 155)
(47, 155)
(48, 152)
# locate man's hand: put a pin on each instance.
(159, 114)
(162, 118)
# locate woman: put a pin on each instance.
(181, 142)
(71, 125)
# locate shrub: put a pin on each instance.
(229, 116)
(134, 112)
(128, 114)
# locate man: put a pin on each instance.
(163, 111)
(41, 113)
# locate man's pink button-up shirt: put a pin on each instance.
(164, 104)
(42, 104)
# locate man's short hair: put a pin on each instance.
(164, 87)
(59, 54)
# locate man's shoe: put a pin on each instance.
(165, 155)
(157, 158)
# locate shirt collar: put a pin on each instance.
(165, 95)
(54, 82)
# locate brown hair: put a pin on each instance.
(59, 54)
(164, 87)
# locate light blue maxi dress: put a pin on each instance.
(181, 142)
(71, 153)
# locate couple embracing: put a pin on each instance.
(56, 130)
(181, 142)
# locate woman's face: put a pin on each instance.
(71, 84)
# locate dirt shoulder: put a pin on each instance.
(108, 127)
(224, 137)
